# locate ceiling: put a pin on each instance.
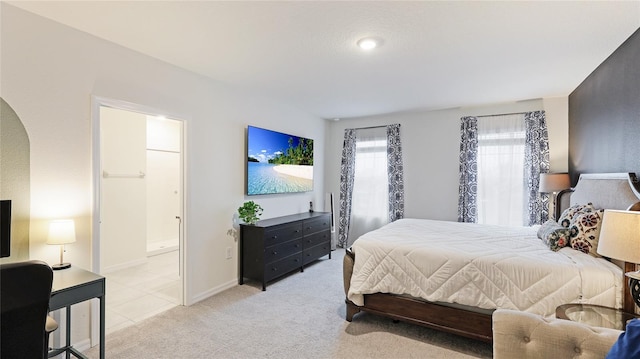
(435, 54)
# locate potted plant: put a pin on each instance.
(250, 212)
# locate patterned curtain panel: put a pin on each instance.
(395, 172)
(468, 188)
(347, 170)
(536, 161)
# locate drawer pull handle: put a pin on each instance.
(295, 260)
(274, 252)
(275, 237)
(297, 231)
(297, 245)
(274, 269)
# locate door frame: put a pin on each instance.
(96, 103)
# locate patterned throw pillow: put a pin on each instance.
(554, 235)
(567, 216)
(585, 231)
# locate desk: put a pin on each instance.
(71, 286)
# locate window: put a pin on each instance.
(371, 181)
(370, 201)
(502, 186)
(501, 159)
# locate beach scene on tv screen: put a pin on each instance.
(278, 162)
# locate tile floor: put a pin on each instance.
(140, 292)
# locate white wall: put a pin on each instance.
(49, 73)
(557, 112)
(123, 202)
(431, 145)
(163, 182)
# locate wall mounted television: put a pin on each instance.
(5, 228)
(278, 162)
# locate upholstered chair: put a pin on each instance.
(525, 336)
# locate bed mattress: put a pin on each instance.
(481, 266)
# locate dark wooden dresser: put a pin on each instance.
(277, 246)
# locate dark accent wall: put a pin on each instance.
(604, 115)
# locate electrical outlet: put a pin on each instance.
(228, 252)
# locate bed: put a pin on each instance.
(451, 276)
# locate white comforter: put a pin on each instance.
(479, 265)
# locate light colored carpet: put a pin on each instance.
(300, 316)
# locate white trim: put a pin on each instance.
(94, 319)
(182, 241)
(213, 291)
(604, 176)
(96, 103)
(129, 264)
(82, 345)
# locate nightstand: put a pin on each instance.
(595, 315)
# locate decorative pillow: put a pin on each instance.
(585, 230)
(554, 235)
(567, 216)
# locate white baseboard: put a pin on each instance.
(80, 346)
(125, 265)
(155, 252)
(213, 291)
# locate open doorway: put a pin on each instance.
(138, 240)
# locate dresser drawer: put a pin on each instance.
(311, 254)
(284, 232)
(317, 238)
(317, 224)
(279, 251)
(283, 266)
(274, 247)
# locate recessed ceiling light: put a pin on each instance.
(368, 43)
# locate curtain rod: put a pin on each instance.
(370, 127)
(505, 114)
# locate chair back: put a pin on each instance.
(25, 289)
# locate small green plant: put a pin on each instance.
(250, 212)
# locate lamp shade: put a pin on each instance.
(553, 182)
(620, 235)
(61, 231)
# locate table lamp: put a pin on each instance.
(620, 239)
(61, 232)
(553, 183)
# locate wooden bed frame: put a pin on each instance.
(476, 324)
